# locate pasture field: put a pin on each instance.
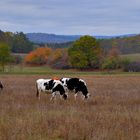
(45, 70)
(132, 57)
(112, 112)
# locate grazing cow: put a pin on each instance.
(76, 84)
(50, 85)
(1, 85)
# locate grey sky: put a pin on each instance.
(94, 17)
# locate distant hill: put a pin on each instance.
(126, 45)
(53, 38)
(20, 42)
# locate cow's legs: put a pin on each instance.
(53, 96)
(86, 96)
(76, 93)
(67, 91)
(37, 91)
(75, 96)
(38, 94)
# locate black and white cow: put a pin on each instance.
(76, 85)
(50, 85)
(1, 85)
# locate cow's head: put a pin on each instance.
(88, 95)
(65, 96)
(64, 81)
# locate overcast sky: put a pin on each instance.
(93, 17)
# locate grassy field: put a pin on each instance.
(22, 70)
(132, 57)
(26, 70)
(112, 112)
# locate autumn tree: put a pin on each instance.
(112, 60)
(59, 58)
(85, 53)
(114, 51)
(38, 56)
(4, 55)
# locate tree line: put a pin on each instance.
(17, 42)
(84, 53)
(126, 45)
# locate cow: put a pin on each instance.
(76, 85)
(51, 86)
(1, 85)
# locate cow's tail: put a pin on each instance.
(37, 91)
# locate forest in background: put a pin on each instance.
(86, 52)
(19, 43)
(125, 44)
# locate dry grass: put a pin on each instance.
(112, 113)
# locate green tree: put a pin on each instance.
(4, 55)
(85, 53)
(18, 42)
(21, 44)
(111, 63)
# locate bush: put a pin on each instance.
(17, 59)
(111, 63)
(38, 56)
(124, 62)
(60, 65)
(59, 59)
(132, 67)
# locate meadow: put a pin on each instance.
(132, 57)
(46, 70)
(112, 112)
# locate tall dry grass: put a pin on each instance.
(112, 112)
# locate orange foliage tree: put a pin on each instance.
(38, 56)
(59, 58)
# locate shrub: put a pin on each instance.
(132, 67)
(38, 56)
(124, 62)
(111, 63)
(59, 59)
(17, 59)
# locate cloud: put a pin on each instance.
(71, 17)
